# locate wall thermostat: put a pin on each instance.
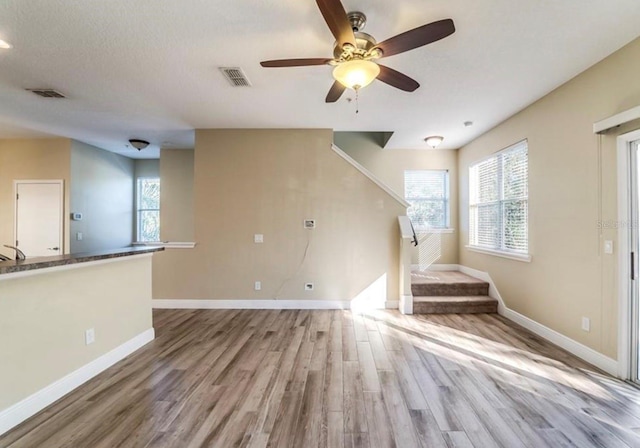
(309, 223)
(76, 216)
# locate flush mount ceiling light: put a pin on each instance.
(138, 144)
(4, 45)
(434, 141)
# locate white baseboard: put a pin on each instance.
(581, 351)
(19, 412)
(484, 276)
(268, 304)
(437, 267)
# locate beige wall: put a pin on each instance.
(176, 194)
(268, 182)
(102, 189)
(572, 185)
(22, 159)
(147, 168)
(43, 319)
(389, 166)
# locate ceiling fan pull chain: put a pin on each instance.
(357, 102)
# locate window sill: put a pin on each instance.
(427, 231)
(166, 244)
(525, 258)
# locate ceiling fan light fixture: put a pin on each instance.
(356, 74)
(434, 141)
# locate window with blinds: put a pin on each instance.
(498, 201)
(428, 193)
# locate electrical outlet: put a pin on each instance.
(257, 286)
(308, 286)
(586, 324)
(90, 336)
(309, 223)
(79, 236)
(258, 238)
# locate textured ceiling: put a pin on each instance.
(149, 68)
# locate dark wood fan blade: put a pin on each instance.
(294, 62)
(336, 18)
(417, 37)
(335, 92)
(396, 79)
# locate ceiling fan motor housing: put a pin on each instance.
(364, 44)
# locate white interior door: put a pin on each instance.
(39, 211)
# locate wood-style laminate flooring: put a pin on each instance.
(229, 378)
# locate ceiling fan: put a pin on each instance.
(355, 53)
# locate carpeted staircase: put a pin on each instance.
(450, 292)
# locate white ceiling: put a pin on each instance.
(148, 68)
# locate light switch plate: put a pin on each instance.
(258, 238)
(257, 286)
(586, 324)
(79, 236)
(608, 247)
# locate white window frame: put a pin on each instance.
(502, 251)
(446, 228)
(139, 210)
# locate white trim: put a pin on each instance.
(624, 249)
(484, 276)
(59, 182)
(581, 351)
(437, 267)
(406, 231)
(405, 305)
(616, 120)
(370, 175)
(525, 258)
(68, 267)
(430, 231)
(19, 412)
(166, 244)
(266, 304)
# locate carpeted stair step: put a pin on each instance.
(454, 305)
(446, 283)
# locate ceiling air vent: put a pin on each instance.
(47, 93)
(235, 76)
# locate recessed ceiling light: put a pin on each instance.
(4, 45)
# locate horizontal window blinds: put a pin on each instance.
(428, 193)
(498, 201)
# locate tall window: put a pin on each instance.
(498, 201)
(148, 206)
(428, 193)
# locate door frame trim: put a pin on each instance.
(59, 182)
(625, 227)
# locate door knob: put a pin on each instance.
(53, 248)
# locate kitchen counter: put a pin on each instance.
(30, 264)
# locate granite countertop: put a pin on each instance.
(9, 267)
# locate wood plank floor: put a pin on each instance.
(229, 378)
